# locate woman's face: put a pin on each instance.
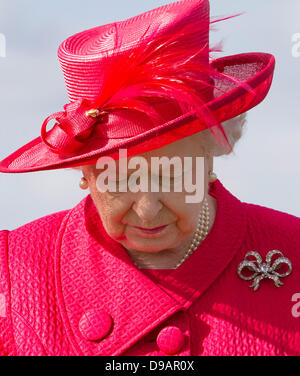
(124, 213)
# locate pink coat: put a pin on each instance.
(66, 288)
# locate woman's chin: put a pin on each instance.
(155, 247)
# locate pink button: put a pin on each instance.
(170, 340)
(94, 325)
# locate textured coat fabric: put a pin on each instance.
(69, 289)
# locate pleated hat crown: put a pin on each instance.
(86, 57)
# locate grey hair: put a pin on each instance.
(233, 128)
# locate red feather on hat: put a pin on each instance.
(164, 66)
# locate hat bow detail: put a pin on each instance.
(74, 127)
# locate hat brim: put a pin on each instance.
(253, 69)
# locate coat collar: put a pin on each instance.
(94, 272)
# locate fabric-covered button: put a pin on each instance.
(94, 325)
(170, 340)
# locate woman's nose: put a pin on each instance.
(147, 205)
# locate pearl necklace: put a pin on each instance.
(199, 235)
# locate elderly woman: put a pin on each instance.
(140, 267)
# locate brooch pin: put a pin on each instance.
(264, 270)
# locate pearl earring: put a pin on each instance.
(83, 184)
(212, 177)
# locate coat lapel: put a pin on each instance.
(94, 273)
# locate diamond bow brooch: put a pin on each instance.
(264, 270)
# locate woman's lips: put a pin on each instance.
(153, 230)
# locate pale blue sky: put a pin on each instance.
(265, 169)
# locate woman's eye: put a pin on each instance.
(164, 181)
(128, 185)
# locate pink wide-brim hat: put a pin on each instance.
(143, 83)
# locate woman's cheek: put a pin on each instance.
(187, 217)
(185, 214)
(112, 212)
(112, 224)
